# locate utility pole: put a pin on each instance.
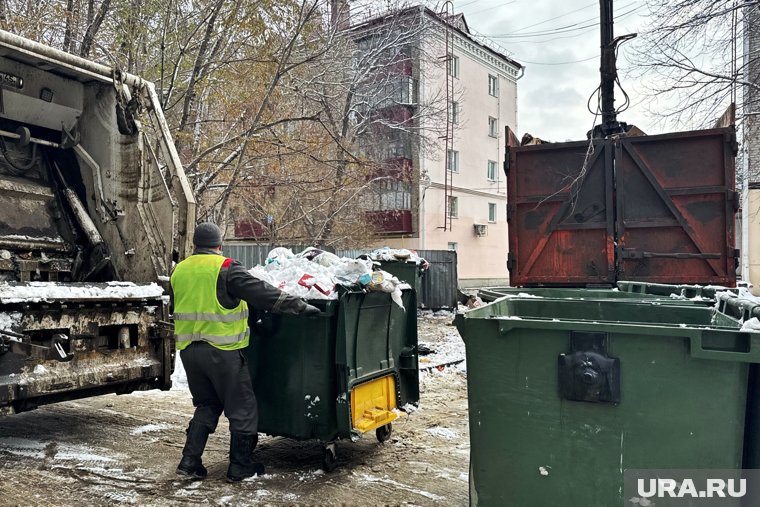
(608, 70)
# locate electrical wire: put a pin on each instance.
(556, 63)
(579, 25)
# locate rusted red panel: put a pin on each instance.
(676, 211)
(247, 228)
(649, 208)
(396, 221)
(560, 215)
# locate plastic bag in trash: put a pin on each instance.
(279, 255)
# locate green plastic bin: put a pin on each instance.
(491, 294)
(308, 372)
(409, 272)
(564, 395)
(686, 291)
(666, 294)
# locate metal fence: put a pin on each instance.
(438, 287)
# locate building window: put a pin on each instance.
(400, 91)
(455, 112)
(452, 246)
(453, 65)
(397, 145)
(492, 212)
(493, 86)
(491, 170)
(453, 161)
(453, 206)
(390, 195)
(493, 127)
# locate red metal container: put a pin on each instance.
(646, 208)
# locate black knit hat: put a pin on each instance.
(207, 235)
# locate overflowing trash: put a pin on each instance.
(400, 255)
(316, 274)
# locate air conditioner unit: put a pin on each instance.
(480, 229)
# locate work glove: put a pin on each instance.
(311, 310)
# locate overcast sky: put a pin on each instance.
(558, 42)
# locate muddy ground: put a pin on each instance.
(112, 450)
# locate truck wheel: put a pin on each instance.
(383, 433)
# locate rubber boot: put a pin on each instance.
(242, 465)
(191, 466)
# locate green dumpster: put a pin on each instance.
(347, 371)
(409, 272)
(490, 294)
(667, 294)
(564, 395)
(685, 291)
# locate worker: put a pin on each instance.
(211, 297)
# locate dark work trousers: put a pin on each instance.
(219, 380)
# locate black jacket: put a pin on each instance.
(235, 283)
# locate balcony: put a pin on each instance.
(246, 228)
(396, 221)
(398, 168)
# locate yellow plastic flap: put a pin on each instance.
(373, 404)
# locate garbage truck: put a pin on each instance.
(94, 209)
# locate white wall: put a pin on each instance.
(482, 260)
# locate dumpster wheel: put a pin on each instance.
(383, 433)
(329, 459)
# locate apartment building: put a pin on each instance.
(452, 194)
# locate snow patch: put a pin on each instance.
(752, 324)
(9, 320)
(147, 428)
(23, 447)
(179, 377)
(442, 432)
(50, 291)
(386, 480)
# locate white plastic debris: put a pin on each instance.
(752, 324)
(398, 254)
(315, 274)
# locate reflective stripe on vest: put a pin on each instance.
(198, 314)
(214, 317)
(222, 340)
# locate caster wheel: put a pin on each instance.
(383, 433)
(329, 461)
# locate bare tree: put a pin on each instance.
(363, 93)
(690, 58)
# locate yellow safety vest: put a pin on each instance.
(198, 315)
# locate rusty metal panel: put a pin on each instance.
(675, 207)
(560, 214)
(646, 208)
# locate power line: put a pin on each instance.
(591, 27)
(492, 8)
(557, 17)
(466, 4)
(565, 29)
(556, 63)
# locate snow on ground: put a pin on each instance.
(148, 428)
(123, 450)
(444, 342)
